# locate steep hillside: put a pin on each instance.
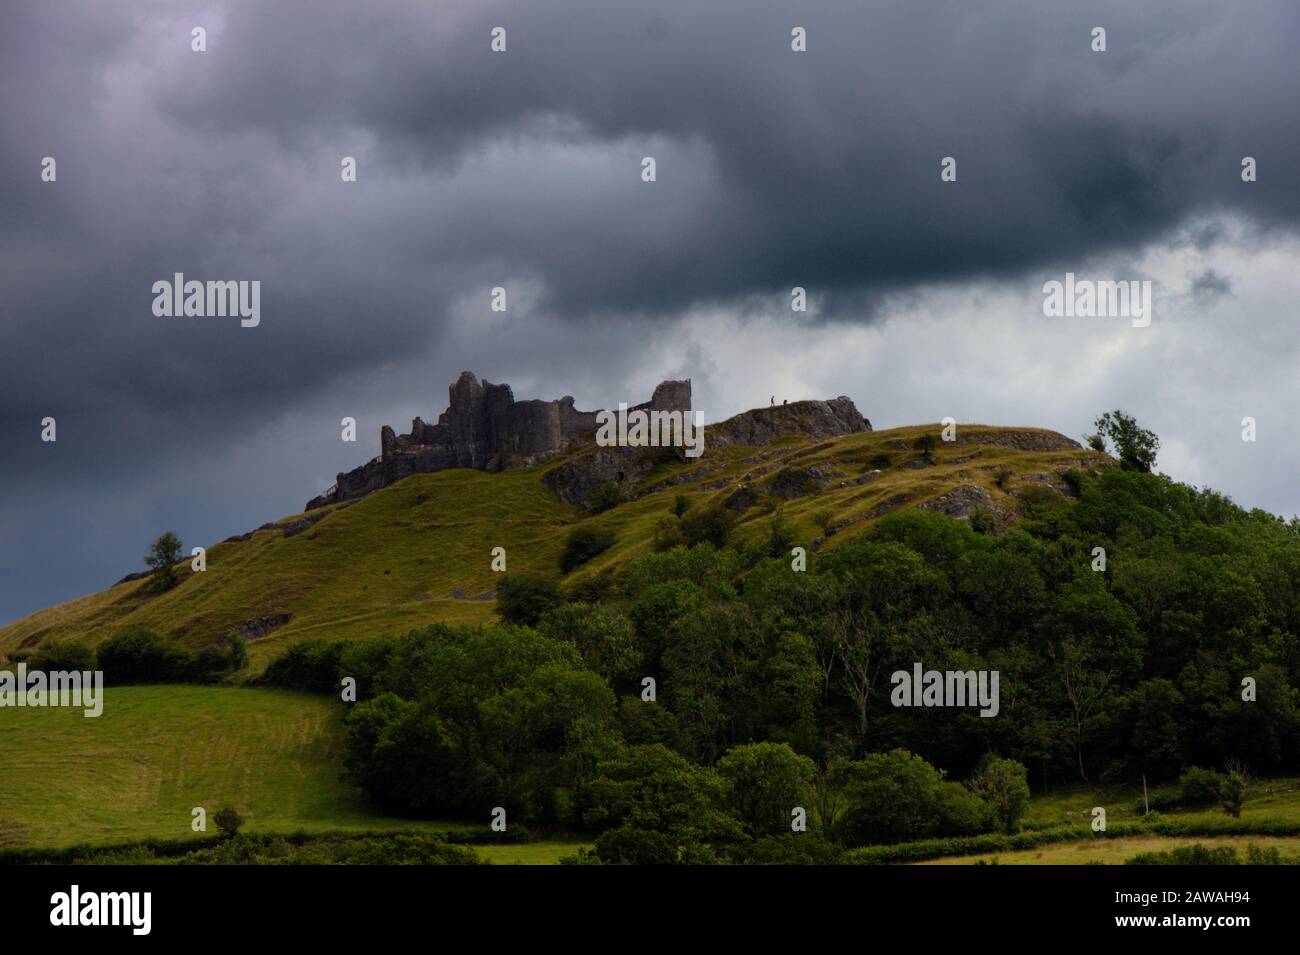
(419, 551)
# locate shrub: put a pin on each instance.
(238, 650)
(711, 524)
(65, 655)
(604, 497)
(779, 536)
(592, 588)
(523, 598)
(1004, 785)
(311, 665)
(668, 534)
(1199, 786)
(681, 504)
(583, 543)
(825, 519)
(982, 521)
(141, 656)
(1188, 855)
(792, 848)
(228, 821)
(1233, 789)
(1039, 495)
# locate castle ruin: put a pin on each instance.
(485, 428)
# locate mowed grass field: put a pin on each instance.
(156, 752)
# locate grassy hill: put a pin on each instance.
(138, 770)
(419, 551)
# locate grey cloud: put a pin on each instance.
(775, 169)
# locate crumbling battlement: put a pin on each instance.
(484, 427)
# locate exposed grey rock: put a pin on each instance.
(261, 626)
(795, 481)
(961, 502)
(862, 479)
(301, 524)
(817, 419)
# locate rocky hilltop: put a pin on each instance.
(485, 428)
(580, 476)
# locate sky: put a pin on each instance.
(523, 169)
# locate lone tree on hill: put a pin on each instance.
(1136, 446)
(164, 554)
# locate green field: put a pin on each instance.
(541, 852)
(158, 751)
(1117, 851)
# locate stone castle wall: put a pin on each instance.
(485, 428)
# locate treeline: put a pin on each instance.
(140, 656)
(692, 704)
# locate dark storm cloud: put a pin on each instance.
(476, 169)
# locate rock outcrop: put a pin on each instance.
(817, 419)
(485, 428)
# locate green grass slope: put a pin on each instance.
(138, 770)
(419, 552)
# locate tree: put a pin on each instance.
(1137, 446)
(603, 637)
(780, 537)
(228, 821)
(764, 782)
(899, 797)
(523, 598)
(711, 524)
(658, 807)
(1084, 688)
(1233, 788)
(1003, 784)
(162, 557)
